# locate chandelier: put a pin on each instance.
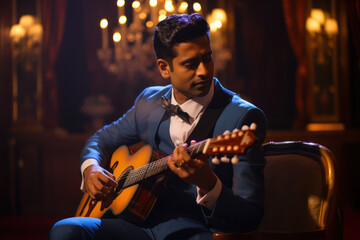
(130, 52)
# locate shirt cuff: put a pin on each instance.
(210, 198)
(84, 165)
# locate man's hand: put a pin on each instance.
(192, 170)
(98, 181)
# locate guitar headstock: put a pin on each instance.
(234, 143)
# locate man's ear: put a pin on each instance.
(164, 68)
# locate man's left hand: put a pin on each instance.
(192, 170)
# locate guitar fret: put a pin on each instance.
(145, 172)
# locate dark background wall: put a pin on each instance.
(39, 170)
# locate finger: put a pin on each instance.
(245, 128)
(111, 180)
(93, 192)
(175, 160)
(99, 187)
(192, 142)
(92, 196)
(253, 126)
(172, 165)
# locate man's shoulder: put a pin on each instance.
(238, 101)
(155, 91)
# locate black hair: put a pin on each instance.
(177, 29)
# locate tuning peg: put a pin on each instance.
(235, 159)
(225, 159)
(215, 160)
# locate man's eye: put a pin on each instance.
(207, 59)
(191, 65)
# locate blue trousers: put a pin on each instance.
(82, 228)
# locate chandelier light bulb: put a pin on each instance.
(120, 3)
(183, 7)
(117, 37)
(103, 23)
(197, 7)
(169, 6)
(122, 20)
(135, 4)
(153, 3)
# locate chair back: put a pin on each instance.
(299, 187)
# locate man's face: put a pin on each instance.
(192, 69)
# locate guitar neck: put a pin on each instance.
(158, 166)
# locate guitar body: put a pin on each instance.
(131, 203)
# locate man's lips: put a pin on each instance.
(201, 83)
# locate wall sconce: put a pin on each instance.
(26, 38)
(323, 64)
(322, 32)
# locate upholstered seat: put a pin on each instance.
(301, 185)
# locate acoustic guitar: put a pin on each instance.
(139, 176)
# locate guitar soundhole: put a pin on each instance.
(122, 178)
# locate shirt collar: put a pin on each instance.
(195, 106)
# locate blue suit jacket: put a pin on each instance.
(240, 204)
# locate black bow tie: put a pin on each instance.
(174, 110)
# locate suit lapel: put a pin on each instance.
(205, 126)
(155, 118)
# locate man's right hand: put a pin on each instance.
(98, 182)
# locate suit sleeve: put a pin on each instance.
(101, 145)
(239, 207)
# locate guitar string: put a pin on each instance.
(155, 167)
(134, 176)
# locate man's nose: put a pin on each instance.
(202, 69)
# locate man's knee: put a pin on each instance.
(75, 228)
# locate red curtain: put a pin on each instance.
(54, 13)
(295, 18)
(353, 9)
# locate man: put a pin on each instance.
(199, 197)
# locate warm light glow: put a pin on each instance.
(122, 20)
(212, 27)
(313, 25)
(169, 6)
(153, 3)
(35, 32)
(162, 17)
(219, 14)
(162, 12)
(17, 32)
(142, 15)
(197, 7)
(318, 15)
(120, 3)
(218, 24)
(183, 7)
(117, 37)
(103, 23)
(136, 4)
(130, 37)
(149, 24)
(26, 21)
(331, 26)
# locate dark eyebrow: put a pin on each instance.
(196, 58)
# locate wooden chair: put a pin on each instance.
(301, 186)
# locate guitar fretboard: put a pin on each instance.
(155, 167)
